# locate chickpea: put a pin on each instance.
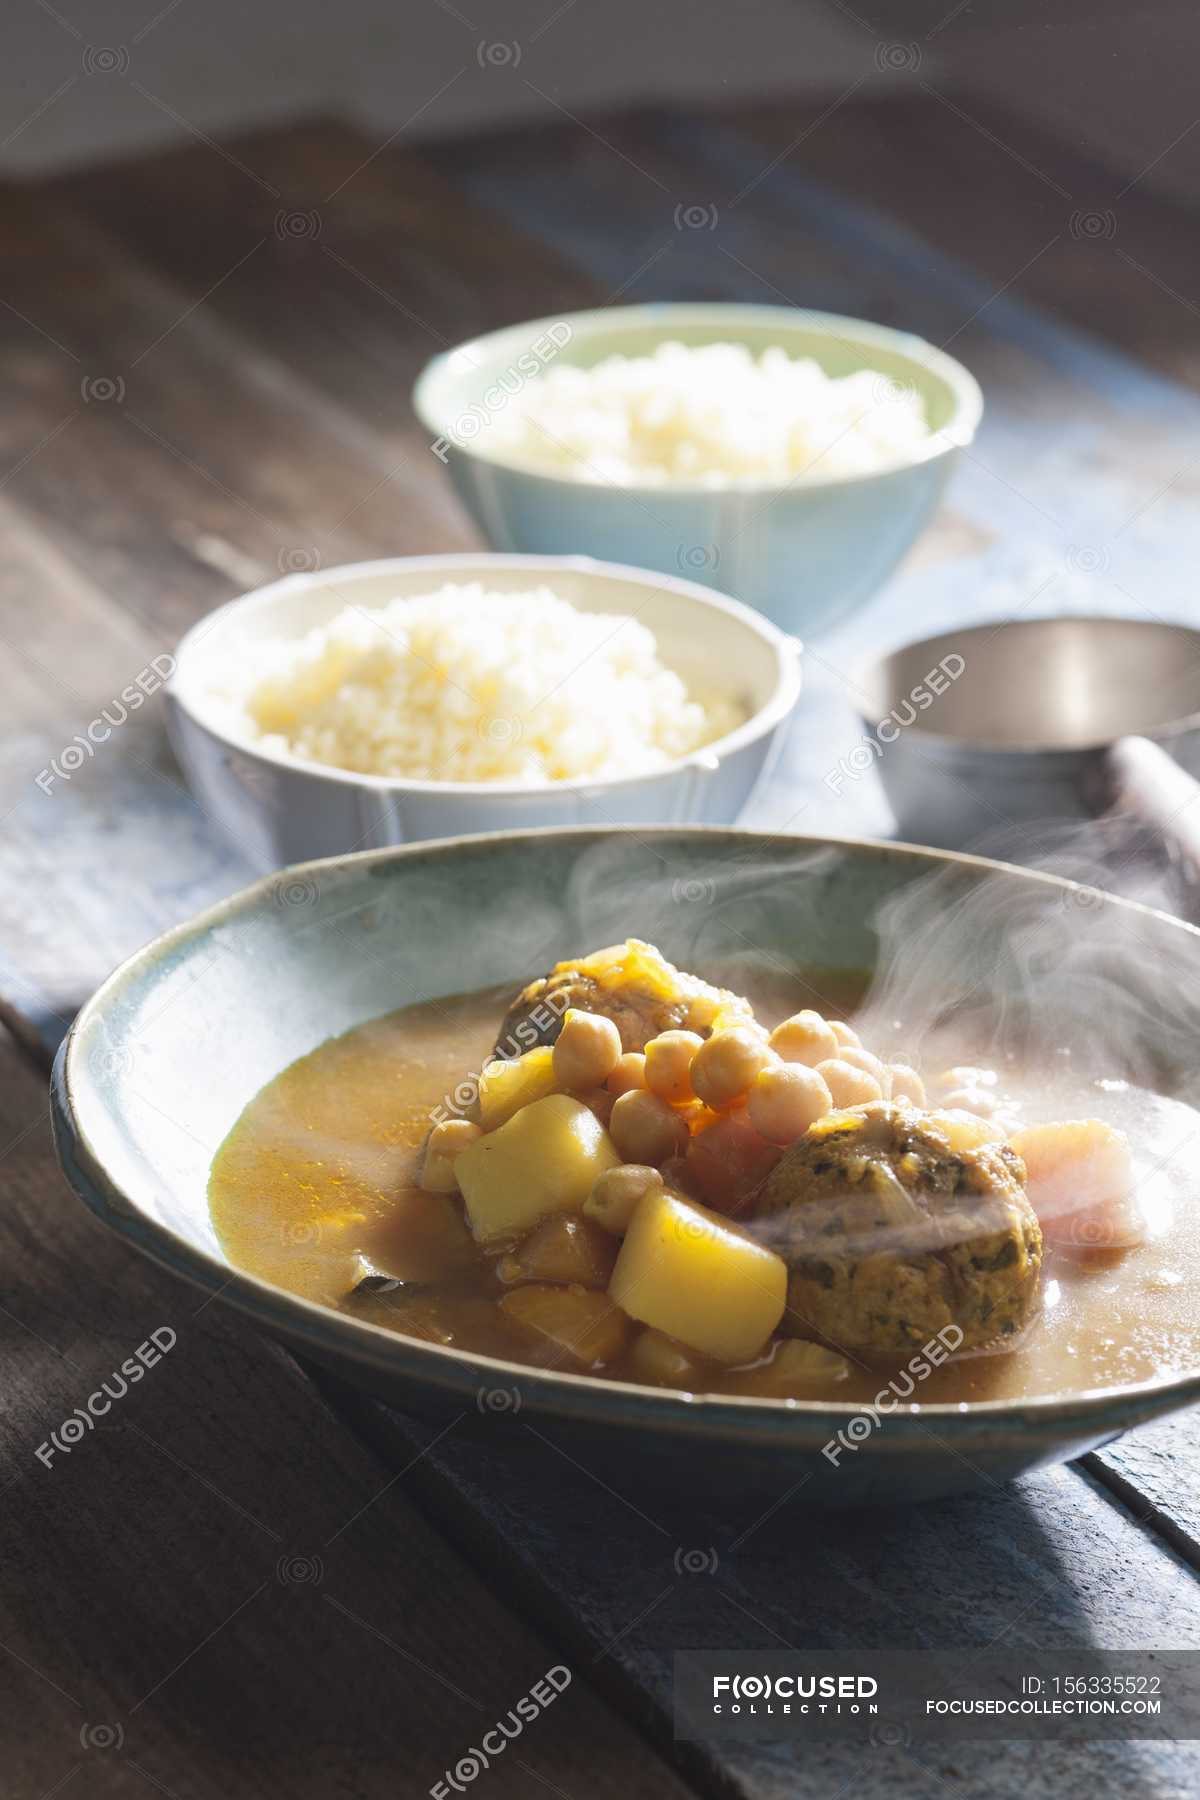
(847, 1085)
(616, 1193)
(786, 1100)
(905, 1084)
(724, 1066)
(629, 1073)
(862, 1059)
(975, 1100)
(587, 1050)
(845, 1034)
(668, 1065)
(804, 1038)
(644, 1128)
(445, 1142)
(965, 1075)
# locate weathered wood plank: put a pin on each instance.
(254, 411)
(215, 1588)
(1045, 1564)
(1156, 1472)
(284, 338)
(100, 846)
(999, 191)
(356, 275)
(167, 425)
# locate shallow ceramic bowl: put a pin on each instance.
(806, 554)
(281, 809)
(163, 1059)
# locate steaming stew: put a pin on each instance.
(751, 1250)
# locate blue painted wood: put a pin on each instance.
(1046, 1564)
(1156, 1472)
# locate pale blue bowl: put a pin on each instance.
(806, 554)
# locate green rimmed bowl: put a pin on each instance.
(807, 554)
(162, 1060)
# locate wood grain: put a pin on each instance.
(283, 375)
(359, 273)
(217, 1589)
(240, 428)
(1047, 1563)
(166, 427)
(266, 342)
(1000, 192)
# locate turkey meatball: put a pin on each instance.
(891, 1235)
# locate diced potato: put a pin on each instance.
(566, 1249)
(661, 1361)
(508, 1084)
(796, 1370)
(688, 1272)
(1081, 1182)
(542, 1160)
(574, 1325)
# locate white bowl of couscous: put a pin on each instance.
(784, 456)
(432, 696)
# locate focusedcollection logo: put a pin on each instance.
(84, 744)
(804, 1692)
(495, 1741)
(890, 1697)
(868, 1419)
(479, 413)
(871, 747)
(75, 1427)
(528, 1032)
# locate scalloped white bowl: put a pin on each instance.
(280, 808)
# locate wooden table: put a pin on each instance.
(250, 1583)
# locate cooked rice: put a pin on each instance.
(467, 684)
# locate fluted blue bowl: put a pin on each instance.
(806, 554)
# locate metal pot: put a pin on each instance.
(1031, 720)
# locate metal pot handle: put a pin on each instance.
(1148, 786)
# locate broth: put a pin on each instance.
(321, 1170)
